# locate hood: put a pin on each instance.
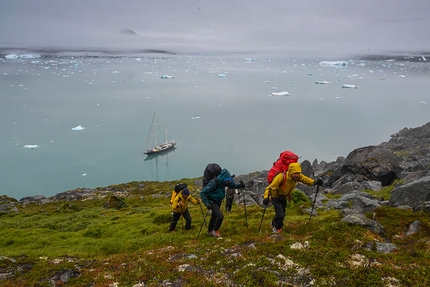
(225, 174)
(294, 167)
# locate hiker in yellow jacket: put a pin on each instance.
(180, 207)
(281, 189)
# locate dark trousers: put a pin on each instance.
(280, 205)
(229, 202)
(176, 215)
(216, 218)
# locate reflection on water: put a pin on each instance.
(152, 162)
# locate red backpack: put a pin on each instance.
(281, 165)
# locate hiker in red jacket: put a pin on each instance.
(281, 189)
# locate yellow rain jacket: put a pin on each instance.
(180, 203)
(284, 188)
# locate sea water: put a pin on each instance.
(70, 122)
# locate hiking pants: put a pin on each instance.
(229, 202)
(176, 215)
(216, 218)
(280, 205)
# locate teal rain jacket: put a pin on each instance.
(215, 189)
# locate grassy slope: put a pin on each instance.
(132, 245)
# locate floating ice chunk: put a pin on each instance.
(339, 98)
(12, 56)
(422, 102)
(348, 86)
(24, 56)
(402, 76)
(84, 174)
(78, 128)
(334, 63)
(266, 82)
(222, 75)
(29, 56)
(424, 58)
(194, 118)
(167, 77)
(322, 82)
(283, 93)
(249, 60)
(31, 146)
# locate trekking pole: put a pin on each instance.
(244, 204)
(201, 227)
(182, 219)
(313, 204)
(261, 222)
(203, 214)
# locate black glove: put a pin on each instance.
(242, 185)
(318, 182)
(209, 206)
(266, 201)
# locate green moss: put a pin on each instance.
(132, 245)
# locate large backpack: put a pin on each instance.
(212, 170)
(178, 188)
(281, 165)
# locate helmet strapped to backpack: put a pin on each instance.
(178, 188)
(281, 165)
(212, 170)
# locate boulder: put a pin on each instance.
(412, 194)
(373, 163)
(362, 220)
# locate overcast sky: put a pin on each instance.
(279, 27)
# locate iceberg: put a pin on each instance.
(347, 86)
(334, 63)
(78, 128)
(222, 75)
(283, 93)
(322, 82)
(167, 77)
(24, 56)
(31, 146)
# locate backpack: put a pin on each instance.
(178, 188)
(212, 170)
(281, 165)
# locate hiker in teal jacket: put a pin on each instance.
(213, 194)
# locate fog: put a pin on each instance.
(331, 28)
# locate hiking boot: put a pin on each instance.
(215, 233)
(275, 230)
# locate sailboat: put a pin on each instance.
(157, 148)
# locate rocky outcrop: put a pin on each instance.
(372, 163)
(414, 194)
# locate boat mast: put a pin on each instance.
(165, 131)
(155, 132)
(152, 132)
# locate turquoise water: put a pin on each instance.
(218, 109)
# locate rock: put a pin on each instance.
(360, 219)
(413, 228)
(374, 163)
(114, 202)
(385, 247)
(34, 199)
(412, 194)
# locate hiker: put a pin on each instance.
(213, 194)
(281, 189)
(180, 207)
